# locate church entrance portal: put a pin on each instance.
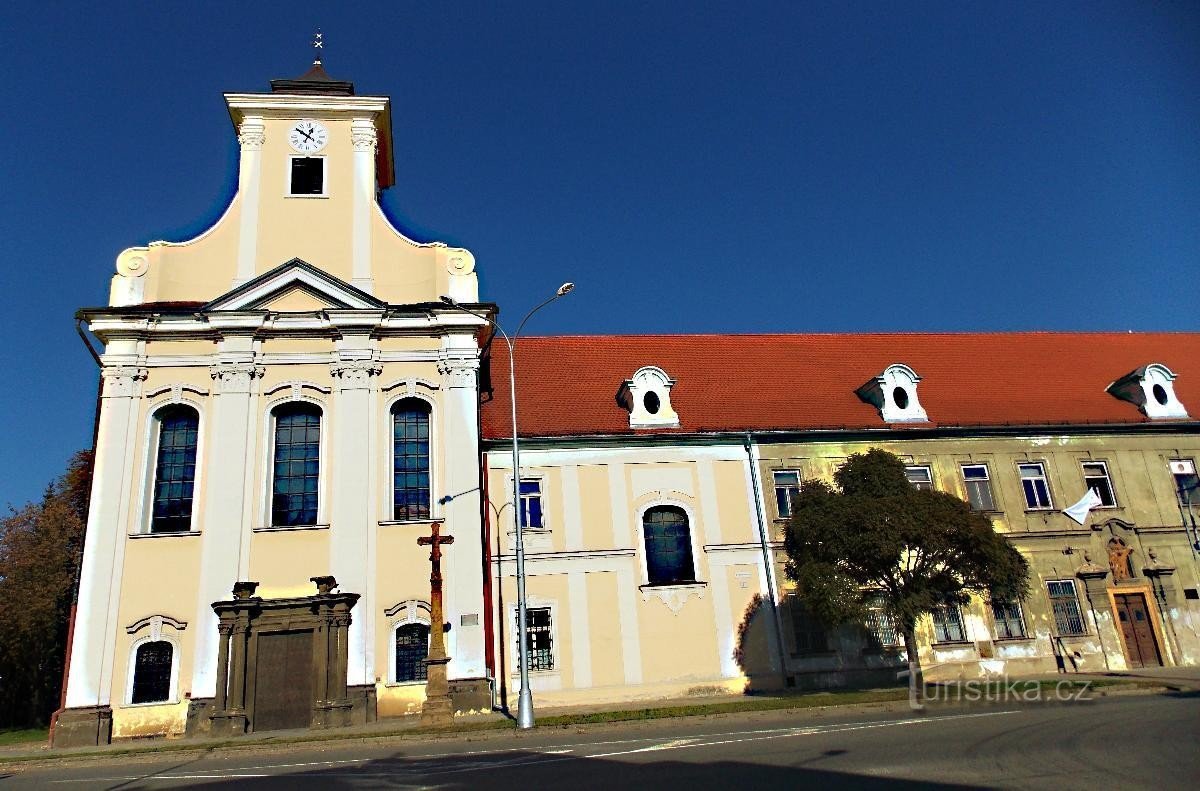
(282, 696)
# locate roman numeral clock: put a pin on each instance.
(308, 137)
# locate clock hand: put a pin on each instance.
(306, 134)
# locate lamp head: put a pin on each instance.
(447, 300)
(565, 289)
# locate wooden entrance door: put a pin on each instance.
(283, 686)
(1141, 649)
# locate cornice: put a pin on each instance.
(277, 105)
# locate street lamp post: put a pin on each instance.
(525, 699)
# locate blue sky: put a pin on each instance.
(692, 167)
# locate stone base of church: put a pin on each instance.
(363, 706)
(89, 726)
(471, 695)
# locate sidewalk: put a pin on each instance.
(1146, 681)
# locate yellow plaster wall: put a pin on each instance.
(282, 561)
(199, 269)
(608, 664)
(404, 272)
(738, 523)
(596, 505)
(678, 646)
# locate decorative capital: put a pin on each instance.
(235, 377)
(122, 381)
(364, 140)
(355, 374)
(458, 372)
(252, 134)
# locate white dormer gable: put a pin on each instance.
(295, 285)
(1152, 389)
(894, 394)
(647, 396)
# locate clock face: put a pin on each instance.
(308, 137)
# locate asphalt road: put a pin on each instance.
(1140, 742)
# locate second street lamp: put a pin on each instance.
(525, 698)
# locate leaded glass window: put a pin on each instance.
(668, 546)
(1068, 620)
(948, 624)
(540, 638)
(297, 464)
(412, 649)
(175, 470)
(152, 672)
(410, 459)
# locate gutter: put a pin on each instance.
(768, 564)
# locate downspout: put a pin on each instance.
(768, 563)
(62, 695)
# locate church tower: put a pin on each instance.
(287, 404)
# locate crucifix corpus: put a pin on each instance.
(437, 710)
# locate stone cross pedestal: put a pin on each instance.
(438, 709)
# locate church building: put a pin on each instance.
(293, 398)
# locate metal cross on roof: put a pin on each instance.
(318, 45)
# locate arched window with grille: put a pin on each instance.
(668, 546)
(152, 663)
(412, 650)
(297, 471)
(174, 469)
(410, 459)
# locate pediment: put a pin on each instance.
(292, 287)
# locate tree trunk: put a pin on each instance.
(916, 682)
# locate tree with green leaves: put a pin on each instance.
(875, 541)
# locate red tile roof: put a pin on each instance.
(567, 385)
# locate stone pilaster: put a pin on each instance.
(365, 141)
(251, 136)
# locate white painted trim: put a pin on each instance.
(127, 700)
(627, 616)
(541, 457)
(297, 387)
(689, 512)
(285, 280)
(581, 644)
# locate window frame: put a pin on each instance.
(987, 484)
(540, 480)
(928, 469)
(1044, 477)
(287, 177)
(1054, 616)
(269, 466)
(1007, 620)
(145, 515)
(1108, 481)
(434, 505)
(962, 624)
(645, 553)
(131, 669)
(775, 482)
(514, 643)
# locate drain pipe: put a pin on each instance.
(768, 564)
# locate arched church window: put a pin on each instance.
(412, 649)
(668, 546)
(297, 464)
(152, 672)
(410, 459)
(174, 469)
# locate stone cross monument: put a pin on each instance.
(437, 710)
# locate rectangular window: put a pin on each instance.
(1035, 485)
(1065, 604)
(539, 638)
(920, 477)
(1187, 484)
(531, 504)
(881, 629)
(787, 486)
(1009, 621)
(948, 624)
(307, 176)
(1095, 477)
(809, 633)
(979, 487)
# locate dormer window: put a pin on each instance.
(307, 176)
(1152, 389)
(894, 394)
(647, 396)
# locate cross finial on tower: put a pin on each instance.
(318, 45)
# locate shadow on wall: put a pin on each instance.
(526, 769)
(753, 649)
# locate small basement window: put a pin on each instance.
(307, 176)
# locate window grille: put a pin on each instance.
(410, 460)
(1095, 477)
(175, 470)
(809, 633)
(152, 672)
(1035, 485)
(531, 503)
(540, 641)
(948, 624)
(787, 486)
(1067, 618)
(412, 649)
(920, 477)
(297, 464)
(668, 546)
(979, 487)
(881, 628)
(1009, 620)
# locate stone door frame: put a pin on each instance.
(1152, 613)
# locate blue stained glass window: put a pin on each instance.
(410, 459)
(668, 546)
(297, 465)
(175, 470)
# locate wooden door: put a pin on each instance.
(1141, 649)
(283, 682)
